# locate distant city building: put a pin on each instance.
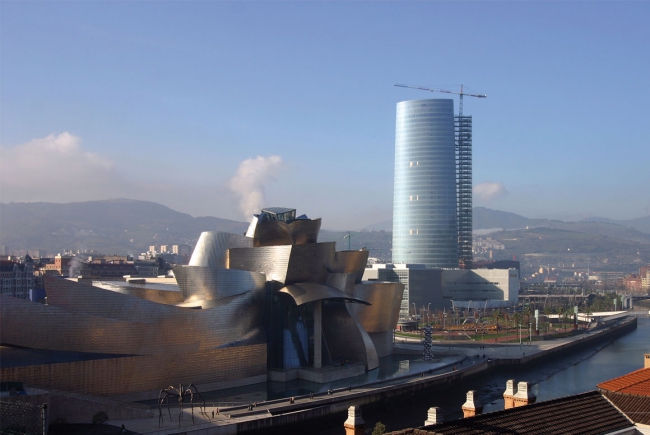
(608, 278)
(644, 272)
(425, 225)
(633, 283)
(108, 270)
(182, 250)
(63, 265)
(426, 289)
(146, 268)
(17, 279)
(37, 253)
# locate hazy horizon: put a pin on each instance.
(325, 226)
(216, 108)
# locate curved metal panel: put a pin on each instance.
(298, 232)
(206, 283)
(271, 233)
(342, 281)
(311, 262)
(385, 299)
(212, 246)
(168, 297)
(345, 338)
(304, 231)
(89, 319)
(351, 262)
(272, 261)
(305, 292)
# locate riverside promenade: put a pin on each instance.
(465, 360)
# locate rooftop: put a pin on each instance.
(636, 383)
(583, 414)
(631, 394)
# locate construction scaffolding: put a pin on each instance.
(463, 147)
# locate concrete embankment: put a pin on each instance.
(278, 414)
(573, 343)
(413, 385)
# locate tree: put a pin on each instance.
(566, 315)
(379, 429)
(527, 312)
(496, 315)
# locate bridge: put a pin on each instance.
(628, 300)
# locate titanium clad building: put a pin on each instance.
(425, 229)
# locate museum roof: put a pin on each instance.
(583, 414)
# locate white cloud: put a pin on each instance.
(250, 180)
(489, 190)
(57, 168)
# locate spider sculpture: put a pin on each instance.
(181, 393)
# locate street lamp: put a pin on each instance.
(520, 335)
(530, 332)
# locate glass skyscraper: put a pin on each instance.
(425, 229)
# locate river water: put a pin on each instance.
(576, 372)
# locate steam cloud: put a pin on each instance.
(250, 180)
(489, 190)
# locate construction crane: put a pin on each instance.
(445, 91)
(463, 149)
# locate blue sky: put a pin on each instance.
(167, 101)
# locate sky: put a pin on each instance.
(219, 108)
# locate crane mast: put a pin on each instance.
(463, 152)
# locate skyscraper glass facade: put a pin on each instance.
(425, 229)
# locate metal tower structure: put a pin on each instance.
(463, 148)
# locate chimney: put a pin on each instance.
(354, 425)
(434, 416)
(524, 395)
(472, 406)
(646, 361)
(509, 394)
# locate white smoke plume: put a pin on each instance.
(489, 190)
(250, 180)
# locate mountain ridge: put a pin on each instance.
(130, 226)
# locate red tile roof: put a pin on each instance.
(636, 383)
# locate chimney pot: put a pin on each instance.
(472, 405)
(354, 425)
(646, 361)
(524, 395)
(508, 395)
(434, 416)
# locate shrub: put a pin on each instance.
(100, 418)
(380, 429)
